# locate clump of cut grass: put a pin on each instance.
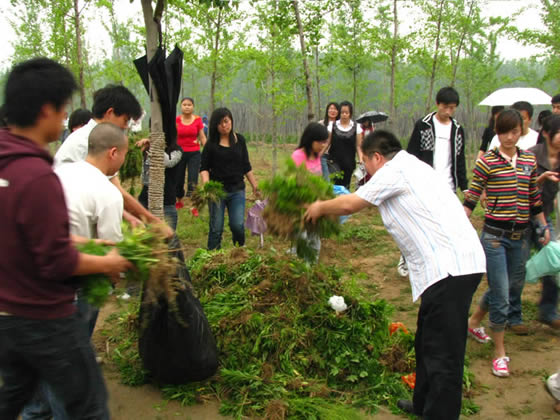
(210, 192)
(287, 194)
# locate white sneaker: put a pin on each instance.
(124, 296)
(552, 385)
(402, 267)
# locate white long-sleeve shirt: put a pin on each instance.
(426, 220)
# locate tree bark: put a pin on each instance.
(434, 62)
(461, 42)
(318, 81)
(157, 137)
(392, 109)
(215, 62)
(79, 54)
(308, 90)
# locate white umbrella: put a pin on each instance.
(509, 96)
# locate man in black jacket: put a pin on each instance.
(439, 140)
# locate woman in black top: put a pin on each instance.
(346, 137)
(225, 159)
(489, 132)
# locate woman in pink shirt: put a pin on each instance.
(308, 153)
(190, 136)
(310, 147)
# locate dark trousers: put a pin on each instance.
(440, 343)
(191, 162)
(57, 352)
(347, 173)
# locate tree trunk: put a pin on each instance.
(318, 81)
(215, 61)
(463, 35)
(308, 90)
(392, 109)
(79, 54)
(434, 62)
(157, 136)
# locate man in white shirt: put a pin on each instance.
(445, 259)
(94, 203)
(117, 105)
(529, 137)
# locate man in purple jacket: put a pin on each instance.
(40, 334)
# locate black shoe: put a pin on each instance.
(406, 406)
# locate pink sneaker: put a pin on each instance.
(479, 335)
(500, 367)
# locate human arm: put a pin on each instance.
(132, 206)
(478, 184)
(111, 264)
(541, 221)
(461, 166)
(339, 206)
(201, 136)
(414, 142)
(205, 164)
(253, 181)
(359, 139)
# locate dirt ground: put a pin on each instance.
(367, 249)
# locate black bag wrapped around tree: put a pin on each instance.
(175, 343)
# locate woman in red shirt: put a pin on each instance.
(190, 135)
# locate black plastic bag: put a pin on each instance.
(176, 344)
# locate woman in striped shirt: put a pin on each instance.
(509, 176)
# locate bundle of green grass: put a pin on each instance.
(284, 352)
(145, 248)
(287, 195)
(209, 192)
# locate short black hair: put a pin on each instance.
(313, 132)
(215, 119)
(32, 84)
(187, 98)
(383, 142)
(508, 120)
(349, 105)
(543, 115)
(555, 99)
(524, 106)
(78, 118)
(447, 95)
(551, 125)
(117, 97)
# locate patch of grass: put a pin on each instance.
(479, 351)
(530, 310)
(524, 410)
(353, 232)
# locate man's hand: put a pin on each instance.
(483, 199)
(546, 238)
(133, 220)
(115, 264)
(313, 212)
(144, 144)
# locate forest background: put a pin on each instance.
(276, 63)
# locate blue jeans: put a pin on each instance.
(325, 168)
(505, 269)
(235, 203)
(548, 304)
(57, 352)
(44, 403)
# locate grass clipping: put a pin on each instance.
(284, 352)
(147, 250)
(210, 192)
(287, 195)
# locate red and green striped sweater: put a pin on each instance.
(513, 194)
